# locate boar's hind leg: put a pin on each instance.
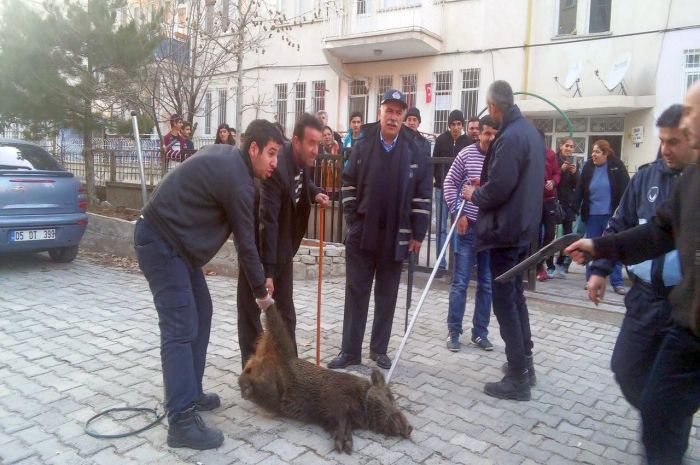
(343, 434)
(246, 386)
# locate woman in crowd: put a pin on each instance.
(223, 135)
(603, 180)
(549, 209)
(566, 192)
(330, 169)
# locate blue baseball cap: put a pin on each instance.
(393, 95)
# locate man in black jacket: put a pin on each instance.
(671, 396)
(192, 213)
(386, 202)
(447, 145)
(510, 193)
(286, 200)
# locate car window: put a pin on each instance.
(26, 157)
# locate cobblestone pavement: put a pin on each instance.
(76, 339)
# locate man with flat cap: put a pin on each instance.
(386, 193)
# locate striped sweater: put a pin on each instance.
(467, 164)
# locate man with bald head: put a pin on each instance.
(671, 396)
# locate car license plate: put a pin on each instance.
(33, 235)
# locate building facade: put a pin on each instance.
(611, 65)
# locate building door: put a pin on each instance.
(615, 142)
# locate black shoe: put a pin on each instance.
(513, 386)
(440, 273)
(344, 360)
(383, 360)
(188, 430)
(530, 370)
(207, 401)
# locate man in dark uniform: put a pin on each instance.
(386, 202)
(648, 309)
(286, 199)
(190, 216)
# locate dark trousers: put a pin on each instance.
(183, 302)
(549, 226)
(510, 307)
(646, 321)
(249, 326)
(361, 268)
(671, 397)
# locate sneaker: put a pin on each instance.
(620, 290)
(550, 273)
(382, 360)
(542, 275)
(453, 344)
(344, 360)
(559, 272)
(482, 342)
(207, 402)
(189, 430)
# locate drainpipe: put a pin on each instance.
(526, 48)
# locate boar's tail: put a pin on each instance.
(278, 333)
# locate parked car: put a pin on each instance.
(42, 206)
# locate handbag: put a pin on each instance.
(559, 213)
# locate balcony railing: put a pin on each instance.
(360, 18)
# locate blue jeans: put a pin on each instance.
(671, 397)
(184, 306)
(595, 225)
(510, 307)
(465, 258)
(441, 214)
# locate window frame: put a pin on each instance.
(281, 108)
(440, 123)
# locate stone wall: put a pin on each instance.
(115, 236)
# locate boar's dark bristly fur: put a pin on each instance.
(283, 384)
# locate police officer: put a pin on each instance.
(648, 308)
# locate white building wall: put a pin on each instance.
(490, 35)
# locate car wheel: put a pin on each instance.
(64, 254)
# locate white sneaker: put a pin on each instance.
(559, 272)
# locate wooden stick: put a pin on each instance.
(322, 231)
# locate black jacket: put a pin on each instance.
(618, 176)
(566, 191)
(510, 196)
(447, 147)
(414, 186)
(284, 222)
(676, 225)
(197, 206)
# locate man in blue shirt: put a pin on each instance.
(648, 308)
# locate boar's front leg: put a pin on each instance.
(246, 386)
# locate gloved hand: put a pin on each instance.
(265, 302)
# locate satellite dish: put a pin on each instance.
(573, 75)
(618, 71)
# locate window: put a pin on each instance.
(281, 95)
(443, 100)
(207, 113)
(692, 67)
(599, 19)
(209, 16)
(357, 100)
(607, 124)
(26, 157)
(300, 101)
(319, 96)
(470, 92)
(225, 15)
(222, 105)
(384, 83)
(408, 87)
(567, 17)
(361, 7)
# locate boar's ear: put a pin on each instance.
(377, 378)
